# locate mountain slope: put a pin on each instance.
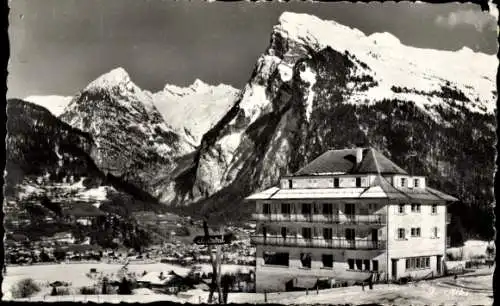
(321, 85)
(50, 176)
(132, 141)
(195, 109)
(55, 104)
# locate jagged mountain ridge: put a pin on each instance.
(190, 111)
(195, 109)
(321, 85)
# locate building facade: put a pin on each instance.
(345, 216)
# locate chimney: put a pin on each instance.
(359, 156)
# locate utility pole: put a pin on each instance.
(209, 241)
(213, 285)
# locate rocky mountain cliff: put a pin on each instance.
(132, 141)
(321, 85)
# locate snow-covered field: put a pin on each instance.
(475, 288)
(74, 273)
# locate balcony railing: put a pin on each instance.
(448, 218)
(322, 218)
(319, 243)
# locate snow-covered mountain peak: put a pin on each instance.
(311, 29)
(395, 64)
(55, 104)
(116, 77)
(197, 107)
(385, 38)
(198, 84)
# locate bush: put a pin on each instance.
(24, 288)
(124, 287)
(88, 290)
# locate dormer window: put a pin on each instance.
(403, 182)
(290, 184)
(336, 182)
(416, 183)
(358, 182)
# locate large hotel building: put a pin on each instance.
(345, 216)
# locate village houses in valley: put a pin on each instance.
(347, 216)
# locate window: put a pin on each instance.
(416, 183)
(350, 262)
(435, 232)
(283, 232)
(366, 265)
(327, 233)
(350, 234)
(306, 208)
(306, 233)
(285, 208)
(401, 209)
(327, 209)
(266, 208)
(290, 184)
(359, 264)
(415, 207)
(336, 182)
(415, 231)
(327, 260)
(403, 182)
(416, 263)
(401, 233)
(434, 209)
(350, 209)
(277, 259)
(375, 265)
(305, 259)
(358, 182)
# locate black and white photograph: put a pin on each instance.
(207, 152)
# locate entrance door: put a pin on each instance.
(394, 268)
(438, 264)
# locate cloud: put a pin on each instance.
(476, 18)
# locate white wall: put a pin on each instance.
(426, 244)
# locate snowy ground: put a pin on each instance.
(75, 273)
(474, 288)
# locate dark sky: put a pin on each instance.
(58, 47)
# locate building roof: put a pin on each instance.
(344, 161)
(153, 278)
(379, 189)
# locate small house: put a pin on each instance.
(161, 282)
